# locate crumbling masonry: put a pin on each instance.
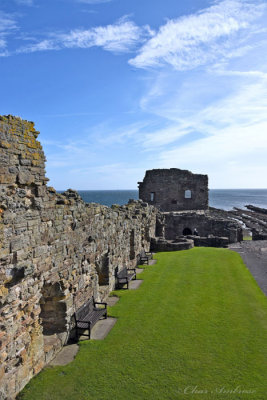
(55, 252)
(182, 197)
(175, 190)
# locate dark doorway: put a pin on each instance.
(102, 269)
(132, 245)
(187, 231)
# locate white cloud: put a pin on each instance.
(234, 157)
(106, 135)
(7, 27)
(7, 23)
(4, 53)
(231, 146)
(122, 36)
(46, 44)
(240, 99)
(118, 37)
(2, 43)
(194, 40)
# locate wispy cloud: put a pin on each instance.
(122, 36)
(46, 44)
(223, 136)
(2, 43)
(7, 26)
(194, 40)
(88, 164)
(233, 157)
(118, 37)
(7, 22)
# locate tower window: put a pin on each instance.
(188, 194)
(152, 196)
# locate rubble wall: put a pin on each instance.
(55, 252)
(206, 224)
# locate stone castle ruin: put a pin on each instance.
(182, 197)
(57, 251)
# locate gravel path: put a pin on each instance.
(254, 255)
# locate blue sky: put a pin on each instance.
(120, 86)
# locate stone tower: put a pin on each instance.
(174, 190)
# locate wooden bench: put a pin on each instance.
(125, 275)
(88, 315)
(144, 257)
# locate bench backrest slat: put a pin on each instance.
(143, 253)
(122, 272)
(85, 309)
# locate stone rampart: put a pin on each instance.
(55, 252)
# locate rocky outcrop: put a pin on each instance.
(254, 219)
(55, 252)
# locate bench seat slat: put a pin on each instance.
(93, 316)
(87, 316)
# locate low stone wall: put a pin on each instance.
(55, 252)
(161, 244)
(210, 241)
(184, 223)
(259, 236)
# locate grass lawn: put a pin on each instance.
(195, 329)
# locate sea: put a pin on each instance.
(225, 199)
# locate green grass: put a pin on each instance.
(247, 238)
(195, 327)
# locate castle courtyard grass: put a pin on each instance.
(195, 329)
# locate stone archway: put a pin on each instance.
(187, 231)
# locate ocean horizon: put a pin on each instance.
(225, 199)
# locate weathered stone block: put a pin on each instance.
(25, 178)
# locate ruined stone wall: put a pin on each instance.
(174, 190)
(55, 252)
(177, 224)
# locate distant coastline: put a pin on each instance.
(219, 198)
